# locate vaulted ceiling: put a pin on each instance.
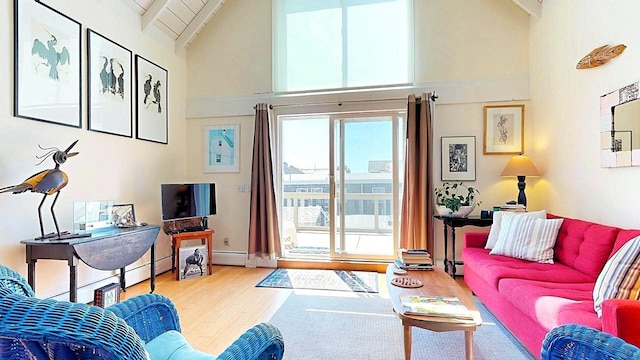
(181, 20)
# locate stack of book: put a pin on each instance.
(513, 207)
(414, 260)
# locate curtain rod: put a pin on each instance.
(432, 96)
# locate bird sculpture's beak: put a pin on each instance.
(72, 154)
(69, 149)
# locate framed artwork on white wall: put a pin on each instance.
(221, 148)
(458, 161)
(47, 65)
(503, 129)
(109, 71)
(152, 117)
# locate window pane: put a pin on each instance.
(333, 44)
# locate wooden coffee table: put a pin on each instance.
(435, 283)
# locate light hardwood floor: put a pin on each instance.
(217, 309)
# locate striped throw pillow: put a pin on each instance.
(620, 277)
(494, 231)
(527, 238)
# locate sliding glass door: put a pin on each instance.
(340, 185)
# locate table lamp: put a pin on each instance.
(520, 166)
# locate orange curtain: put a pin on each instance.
(416, 223)
(264, 236)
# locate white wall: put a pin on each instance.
(565, 107)
(472, 52)
(108, 167)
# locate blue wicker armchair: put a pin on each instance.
(577, 342)
(143, 327)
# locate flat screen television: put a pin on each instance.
(181, 201)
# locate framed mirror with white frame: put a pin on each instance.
(620, 127)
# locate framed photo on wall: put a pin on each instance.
(47, 65)
(503, 129)
(221, 148)
(109, 71)
(152, 117)
(458, 161)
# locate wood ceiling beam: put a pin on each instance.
(153, 12)
(198, 22)
(532, 7)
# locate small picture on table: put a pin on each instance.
(193, 262)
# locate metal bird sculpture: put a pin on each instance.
(47, 182)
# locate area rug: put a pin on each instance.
(363, 326)
(338, 280)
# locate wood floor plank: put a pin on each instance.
(216, 309)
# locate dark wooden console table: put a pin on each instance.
(105, 249)
(453, 223)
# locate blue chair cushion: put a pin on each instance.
(171, 345)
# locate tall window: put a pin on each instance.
(338, 44)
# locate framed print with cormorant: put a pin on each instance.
(109, 71)
(47, 58)
(152, 118)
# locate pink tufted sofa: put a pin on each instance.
(532, 298)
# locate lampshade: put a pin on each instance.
(520, 165)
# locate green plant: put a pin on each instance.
(454, 195)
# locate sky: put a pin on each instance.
(305, 143)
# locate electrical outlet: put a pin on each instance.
(226, 241)
(241, 188)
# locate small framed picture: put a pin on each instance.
(124, 215)
(458, 158)
(152, 118)
(221, 148)
(503, 129)
(194, 261)
(107, 295)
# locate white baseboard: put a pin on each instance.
(237, 258)
(141, 273)
(133, 276)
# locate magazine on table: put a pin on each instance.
(446, 306)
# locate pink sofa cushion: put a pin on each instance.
(552, 304)
(584, 246)
(496, 267)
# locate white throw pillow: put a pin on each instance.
(497, 220)
(527, 238)
(620, 277)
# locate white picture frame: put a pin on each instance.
(193, 262)
(458, 158)
(221, 148)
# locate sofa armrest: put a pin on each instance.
(622, 319)
(475, 239)
(149, 315)
(262, 342)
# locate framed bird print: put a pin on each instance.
(109, 68)
(47, 65)
(152, 118)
